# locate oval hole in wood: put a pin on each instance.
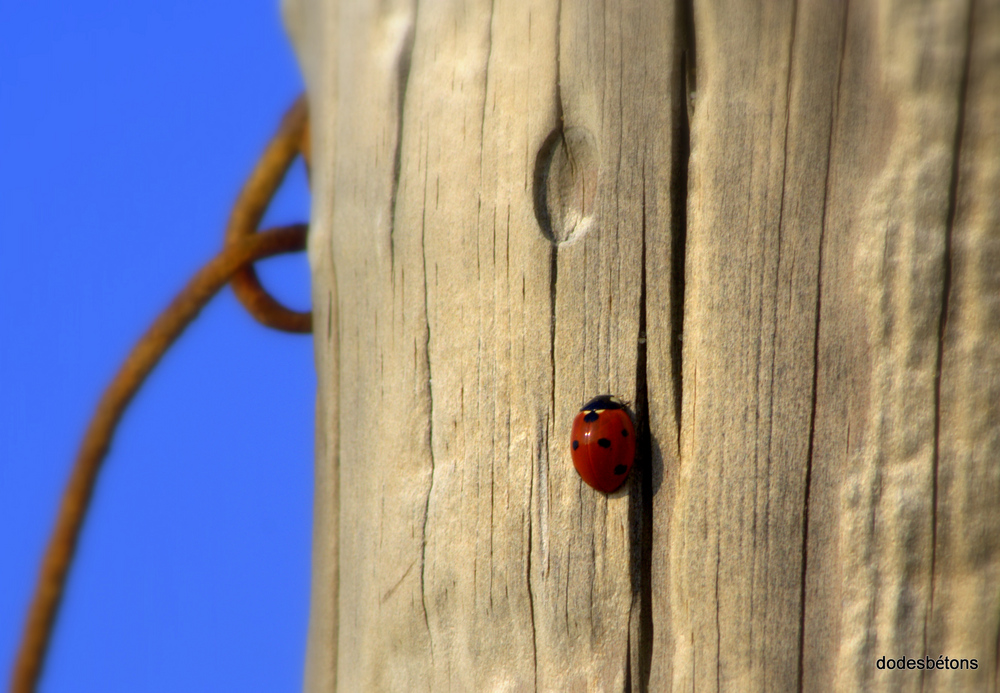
(566, 183)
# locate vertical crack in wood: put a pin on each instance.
(774, 326)
(628, 663)
(544, 219)
(815, 375)
(641, 500)
(527, 582)
(486, 80)
(686, 40)
(565, 589)
(963, 90)
(553, 141)
(430, 417)
(559, 102)
(780, 230)
(680, 159)
(809, 464)
(543, 498)
(403, 64)
(718, 625)
(996, 661)
(553, 288)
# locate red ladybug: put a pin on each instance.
(603, 443)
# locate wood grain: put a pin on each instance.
(773, 228)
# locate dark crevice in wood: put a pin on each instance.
(486, 83)
(816, 355)
(543, 160)
(541, 203)
(996, 660)
(718, 625)
(628, 661)
(680, 160)
(403, 64)
(641, 498)
(553, 288)
(430, 420)
(780, 236)
(559, 101)
(809, 465)
(774, 347)
(686, 40)
(963, 90)
(527, 582)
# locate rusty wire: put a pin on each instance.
(243, 246)
(249, 209)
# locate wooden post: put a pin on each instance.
(773, 227)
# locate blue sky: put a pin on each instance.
(126, 130)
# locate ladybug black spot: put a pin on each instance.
(576, 444)
(604, 442)
(591, 416)
(624, 433)
(620, 469)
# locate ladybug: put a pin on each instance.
(603, 443)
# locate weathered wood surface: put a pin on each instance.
(773, 227)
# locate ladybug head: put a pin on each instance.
(603, 402)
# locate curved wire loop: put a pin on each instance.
(291, 139)
(243, 246)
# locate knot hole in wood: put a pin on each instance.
(565, 183)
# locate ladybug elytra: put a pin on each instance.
(603, 445)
